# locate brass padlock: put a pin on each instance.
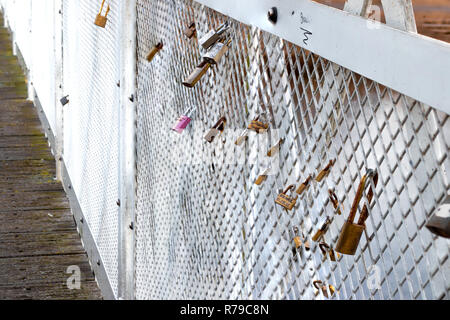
(101, 20)
(299, 241)
(335, 202)
(286, 201)
(439, 223)
(304, 185)
(241, 138)
(197, 74)
(213, 36)
(154, 51)
(328, 251)
(351, 233)
(258, 126)
(323, 229)
(217, 51)
(262, 177)
(275, 149)
(325, 171)
(218, 128)
(190, 31)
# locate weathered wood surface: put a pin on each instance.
(38, 237)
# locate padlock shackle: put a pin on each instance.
(324, 247)
(220, 123)
(318, 282)
(371, 174)
(289, 188)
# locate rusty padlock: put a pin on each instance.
(100, 20)
(275, 149)
(258, 126)
(328, 251)
(190, 31)
(351, 233)
(197, 74)
(154, 51)
(217, 51)
(335, 202)
(304, 185)
(216, 130)
(322, 231)
(286, 201)
(325, 171)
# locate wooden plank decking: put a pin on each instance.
(38, 236)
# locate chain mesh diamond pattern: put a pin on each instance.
(206, 231)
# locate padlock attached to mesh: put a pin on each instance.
(216, 130)
(304, 185)
(197, 74)
(322, 231)
(286, 201)
(328, 251)
(158, 47)
(335, 202)
(325, 171)
(257, 125)
(217, 51)
(190, 31)
(213, 36)
(100, 20)
(351, 232)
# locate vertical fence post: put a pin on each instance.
(59, 131)
(400, 14)
(127, 151)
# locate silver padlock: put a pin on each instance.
(216, 52)
(216, 130)
(213, 36)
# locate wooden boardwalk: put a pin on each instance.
(38, 236)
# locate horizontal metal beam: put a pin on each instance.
(412, 64)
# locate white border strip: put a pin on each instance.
(412, 64)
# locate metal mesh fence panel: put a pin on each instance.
(91, 121)
(203, 228)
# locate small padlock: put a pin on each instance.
(190, 31)
(216, 52)
(297, 239)
(262, 177)
(216, 130)
(197, 74)
(351, 233)
(322, 231)
(325, 171)
(101, 20)
(439, 223)
(184, 121)
(286, 201)
(213, 36)
(154, 51)
(275, 149)
(241, 138)
(304, 185)
(334, 200)
(258, 126)
(64, 100)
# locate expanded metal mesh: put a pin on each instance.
(91, 119)
(205, 230)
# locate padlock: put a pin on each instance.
(286, 201)
(275, 149)
(439, 223)
(154, 51)
(216, 130)
(351, 233)
(64, 100)
(101, 20)
(334, 200)
(297, 239)
(325, 171)
(328, 251)
(258, 126)
(184, 121)
(262, 177)
(190, 31)
(241, 138)
(304, 185)
(216, 52)
(213, 36)
(197, 74)
(322, 231)
(319, 285)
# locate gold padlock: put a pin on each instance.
(197, 74)
(299, 241)
(242, 138)
(275, 149)
(154, 51)
(258, 126)
(304, 185)
(286, 201)
(335, 202)
(351, 233)
(262, 177)
(216, 130)
(321, 232)
(100, 20)
(217, 51)
(325, 171)
(190, 31)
